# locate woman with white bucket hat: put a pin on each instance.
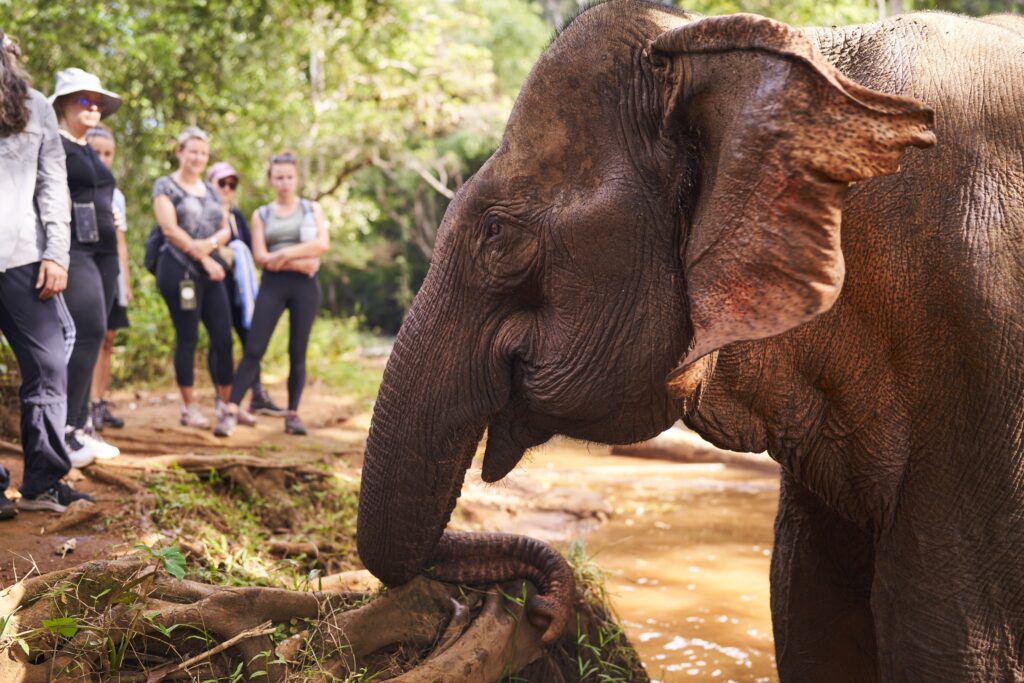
(80, 102)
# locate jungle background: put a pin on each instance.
(390, 105)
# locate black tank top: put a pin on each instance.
(89, 180)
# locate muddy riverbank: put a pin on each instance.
(685, 547)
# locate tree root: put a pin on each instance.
(79, 512)
(127, 620)
(203, 464)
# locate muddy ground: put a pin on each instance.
(682, 532)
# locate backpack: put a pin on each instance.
(154, 244)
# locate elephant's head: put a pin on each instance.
(666, 185)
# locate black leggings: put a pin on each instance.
(92, 287)
(300, 294)
(211, 307)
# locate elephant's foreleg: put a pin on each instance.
(821, 575)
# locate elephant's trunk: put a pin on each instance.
(478, 559)
(433, 406)
(416, 456)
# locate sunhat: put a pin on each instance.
(220, 170)
(76, 80)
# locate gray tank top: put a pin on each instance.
(281, 232)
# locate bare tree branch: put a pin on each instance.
(355, 160)
(431, 180)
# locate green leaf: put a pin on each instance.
(174, 561)
(64, 626)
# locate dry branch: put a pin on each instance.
(264, 629)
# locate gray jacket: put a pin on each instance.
(35, 213)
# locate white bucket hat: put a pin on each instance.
(76, 80)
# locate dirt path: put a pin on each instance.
(151, 429)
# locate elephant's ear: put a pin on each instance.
(781, 134)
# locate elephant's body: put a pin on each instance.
(902, 408)
(659, 235)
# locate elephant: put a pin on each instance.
(808, 242)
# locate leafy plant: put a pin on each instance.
(62, 626)
(170, 556)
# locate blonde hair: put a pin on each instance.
(99, 131)
(191, 133)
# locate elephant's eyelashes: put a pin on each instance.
(507, 251)
(492, 227)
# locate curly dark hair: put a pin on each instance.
(14, 112)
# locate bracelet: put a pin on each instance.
(213, 241)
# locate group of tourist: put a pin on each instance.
(65, 285)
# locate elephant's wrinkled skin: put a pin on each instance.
(659, 235)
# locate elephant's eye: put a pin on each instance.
(492, 227)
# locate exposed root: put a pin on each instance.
(128, 620)
(79, 512)
(219, 463)
(308, 549)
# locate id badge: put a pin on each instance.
(187, 295)
(87, 230)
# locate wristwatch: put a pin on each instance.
(213, 241)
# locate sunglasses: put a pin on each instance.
(228, 182)
(87, 102)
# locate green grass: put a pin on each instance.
(603, 653)
(228, 525)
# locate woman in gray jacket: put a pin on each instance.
(34, 242)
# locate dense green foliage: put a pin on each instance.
(389, 104)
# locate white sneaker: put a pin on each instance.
(80, 454)
(100, 448)
(192, 417)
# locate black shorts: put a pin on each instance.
(118, 319)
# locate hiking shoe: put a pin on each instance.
(101, 450)
(245, 418)
(108, 418)
(262, 404)
(192, 417)
(293, 425)
(226, 422)
(55, 499)
(79, 453)
(8, 509)
(96, 415)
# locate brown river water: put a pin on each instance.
(685, 547)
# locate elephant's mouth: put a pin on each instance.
(509, 435)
